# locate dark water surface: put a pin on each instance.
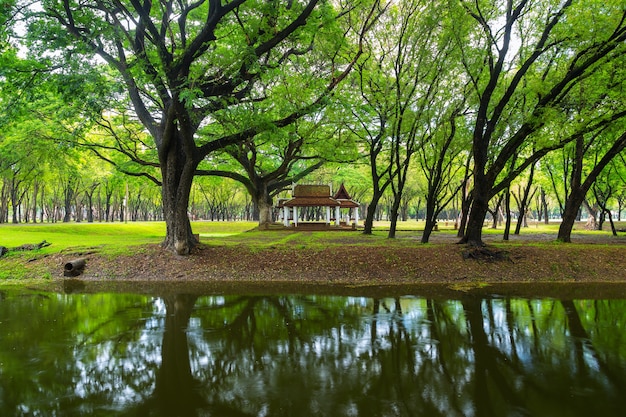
(110, 354)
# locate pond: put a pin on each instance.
(111, 354)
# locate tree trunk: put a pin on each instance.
(592, 222)
(371, 212)
(177, 172)
(34, 206)
(68, 198)
(479, 209)
(570, 214)
(265, 212)
(89, 206)
(428, 229)
(613, 229)
(523, 206)
(262, 203)
(431, 216)
(394, 214)
(4, 203)
(466, 204)
(507, 210)
(14, 199)
(544, 205)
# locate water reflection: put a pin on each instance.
(184, 355)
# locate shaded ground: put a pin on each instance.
(352, 264)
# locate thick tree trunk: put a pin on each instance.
(479, 209)
(474, 229)
(262, 204)
(570, 213)
(179, 236)
(177, 172)
(265, 212)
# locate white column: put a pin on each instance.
(295, 216)
(337, 216)
(356, 216)
(286, 216)
(327, 214)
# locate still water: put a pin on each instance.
(189, 355)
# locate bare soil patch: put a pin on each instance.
(522, 260)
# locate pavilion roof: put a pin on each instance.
(342, 194)
(312, 202)
(348, 204)
(318, 196)
(311, 190)
(344, 198)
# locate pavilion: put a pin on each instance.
(304, 196)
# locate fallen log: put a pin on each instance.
(27, 246)
(31, 246)
(74, 268)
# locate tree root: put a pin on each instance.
(482, 253)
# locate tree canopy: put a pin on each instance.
(456, 99)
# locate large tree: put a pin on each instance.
(181, 62)
(523, 59)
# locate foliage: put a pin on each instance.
(262, 92)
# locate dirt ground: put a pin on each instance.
(588, 260)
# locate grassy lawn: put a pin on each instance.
(105, 238)
(116, 236)
(111, 239)
(64, 236)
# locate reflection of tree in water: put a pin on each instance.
(313, 355)
(269, 355)
(175, 390)
(538, 362)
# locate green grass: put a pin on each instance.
(106, 238)
(63, 236)
(116, 236)
(110, 239)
